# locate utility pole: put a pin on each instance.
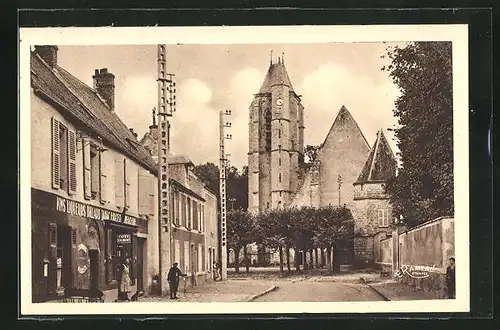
(339, 181)
(222, 170)
(166, 108)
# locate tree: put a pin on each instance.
(334, 227)
(423, 189)
(236, 183)
(240, 232)
(209, 174)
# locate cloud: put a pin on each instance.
(330, 86)
(135, 98)
(243, 86)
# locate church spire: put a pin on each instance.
(276, 75)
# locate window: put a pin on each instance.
(195, 215)
(279, 177)
(63, 142)
(183, 210)
(267, 129)
(53, 234)
(279, 161)
(94, 172)
(383, 217)
(189, 214)
(63, 157)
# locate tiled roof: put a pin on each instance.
(276, 75)
(83, 103)
(181, 159)
(344, 119)
(381, 163)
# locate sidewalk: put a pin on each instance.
(393, 290)
(225, 291)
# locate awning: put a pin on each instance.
(124, 226)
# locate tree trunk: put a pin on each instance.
(296, 259)
(316, 255)
(322, 258)
(288, 259)
(237, 260)
(304, 257)
(245, 257)
(336, 261)
(281, 261)
(311, 259)
(329, 259)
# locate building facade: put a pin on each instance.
(94, 196)
(193, 214)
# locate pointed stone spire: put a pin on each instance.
(276, 75)
(381, 163)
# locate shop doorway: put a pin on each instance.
(63, 262)
(140, 264)
(94, 269)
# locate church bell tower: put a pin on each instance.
(276, 146)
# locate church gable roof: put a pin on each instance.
(276, 75)
(343, 121)
(381, 163)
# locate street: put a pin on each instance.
(306, 291)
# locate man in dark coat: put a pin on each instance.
(173, 278)
(450, 278)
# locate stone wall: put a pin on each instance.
(428, 245)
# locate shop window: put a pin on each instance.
(73, 236)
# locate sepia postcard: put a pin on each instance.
(256, 170)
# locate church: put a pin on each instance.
(347, 171)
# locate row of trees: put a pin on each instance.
(280, 230)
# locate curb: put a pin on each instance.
(378, 292)
(258, 295)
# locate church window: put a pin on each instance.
(279, 177)
(279, 161)
(267, 129)
(279, 133)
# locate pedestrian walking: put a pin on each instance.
(173, 278)
(216, 271)
(450, 278)
(125, 281)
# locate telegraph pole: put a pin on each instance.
(339, 181)
(166, 108)
(223, 165)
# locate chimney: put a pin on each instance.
(153, 128)
(104, 84)
(133, 133)
(48, 53)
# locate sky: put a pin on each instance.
(210, 78)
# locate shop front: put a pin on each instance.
(78, 245)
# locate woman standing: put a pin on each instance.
(125, 280)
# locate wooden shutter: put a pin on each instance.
(153, 183)
(127, 183)
(56, 162)
(52, 257)
(133, 262)
(86, 169)
(119, 182)
(144, 192)
(103, 182)
(109, 255)
(72, 162)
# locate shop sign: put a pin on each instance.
(123, 239)
(92, 212)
